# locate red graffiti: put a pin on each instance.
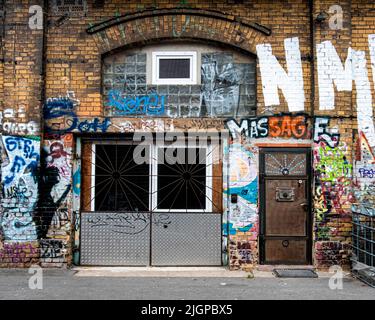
(57, 150)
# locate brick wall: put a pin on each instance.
(39, 227)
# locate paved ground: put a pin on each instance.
(163, 284)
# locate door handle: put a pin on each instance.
(304, 206)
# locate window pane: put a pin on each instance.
(182, 185)
(174, 68)
(120, 184)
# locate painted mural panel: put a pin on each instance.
(19, 180)
(243, 182)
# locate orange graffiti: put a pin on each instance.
(288, 127)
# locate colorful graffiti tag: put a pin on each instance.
(20, 187)
(284, 126)
(333, 188)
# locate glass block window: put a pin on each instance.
(227, 86)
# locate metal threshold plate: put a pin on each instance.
(295, 273)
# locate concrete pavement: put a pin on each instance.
(174, 284)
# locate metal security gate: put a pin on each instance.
(129, 239)
(153, 213)
(285, 206)
(363, 256)
(115, 238)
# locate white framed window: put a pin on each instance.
(182, 187)
(174, 67)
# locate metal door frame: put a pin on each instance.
(262, 200)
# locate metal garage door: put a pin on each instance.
(149, 214)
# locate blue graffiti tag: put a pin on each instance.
(233, 231)
(18, 164)
(13, 143)
(152, 104)
(366, 173)
(26, 148)
(58, 107)
(64, 107)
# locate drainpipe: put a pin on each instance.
(42, 98)
(43, 66)
(312, 114)
(42, 73)
(312, 58)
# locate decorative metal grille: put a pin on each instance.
(181, 186)
(285, 164)
(119, 184)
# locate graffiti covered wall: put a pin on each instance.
(243, 177)
(20, 187)
(20, 194)
(266, 99)
(242, 225)
(225, 87)
(54, 208)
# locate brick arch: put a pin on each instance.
(187, 24)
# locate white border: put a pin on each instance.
(192, 55)
(93, 161)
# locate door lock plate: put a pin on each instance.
(285, 194)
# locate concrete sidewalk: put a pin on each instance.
(197, 284)
(180, 272)
(159, 272)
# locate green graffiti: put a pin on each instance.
(332, 163)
